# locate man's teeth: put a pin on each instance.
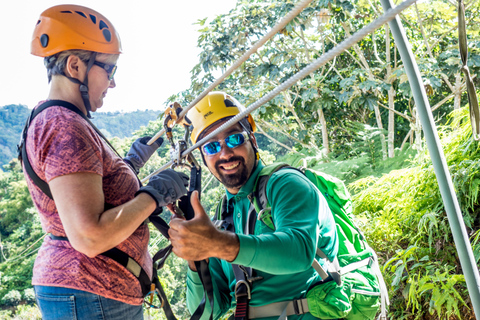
(231, 166)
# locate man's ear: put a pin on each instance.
(75, 67)
(253, 139)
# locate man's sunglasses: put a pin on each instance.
(110, 68)
(232, 141)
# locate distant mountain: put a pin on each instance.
(112, 124)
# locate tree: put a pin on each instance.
(365, 84)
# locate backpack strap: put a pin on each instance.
(22, 146)
(263, 208)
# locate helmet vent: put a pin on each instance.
(93, 18)
(107, 34)
(103, 25)
(81, 13)
(229, 103)
(44, 40)
(66, 11)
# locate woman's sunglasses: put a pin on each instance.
(232, 141)
(110, 68)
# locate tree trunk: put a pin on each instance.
(391, 123)
(458, 92)
(323, 123)
(391, 95)
(417, 127)
(378, 117)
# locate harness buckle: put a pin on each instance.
(237, 294)
(298, 307)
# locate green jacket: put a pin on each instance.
(283, 257)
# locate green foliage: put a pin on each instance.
(405, 220)
(29, 296)
(12, 298)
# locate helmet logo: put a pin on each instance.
(207, 114)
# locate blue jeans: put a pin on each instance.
(57, 303)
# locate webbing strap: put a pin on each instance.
(242, 292)
(282, 309)
(472, 94)
(206, 279)
(320, 270)
(384, 299)
(126, 261)
(355, 265)
(23, 144)
(163, 297)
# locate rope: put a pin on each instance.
(472, 94)
(279, 26)
(343, 46)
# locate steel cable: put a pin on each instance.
(329, 55)
(279, 26)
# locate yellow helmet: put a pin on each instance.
(213, 107)
(68, 27)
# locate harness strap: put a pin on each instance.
(384, 299)
(281, 309)
(243, 292)
(126, 261)
(22, 147)
(206, 279)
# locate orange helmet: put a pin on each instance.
(69, 27)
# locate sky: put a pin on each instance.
(159, 49)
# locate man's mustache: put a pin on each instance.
(234, 158)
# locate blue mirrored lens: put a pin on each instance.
(212, 147)
(234, 140)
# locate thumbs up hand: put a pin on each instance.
(198, 239)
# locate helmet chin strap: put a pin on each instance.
(84, 85)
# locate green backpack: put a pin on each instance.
(358, 291)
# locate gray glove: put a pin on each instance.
(140, 152)
(166, 187)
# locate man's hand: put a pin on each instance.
(140, 152)
(198, 239)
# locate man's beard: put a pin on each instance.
(236, 180)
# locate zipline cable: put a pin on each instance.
(329, 55)
(279, 26)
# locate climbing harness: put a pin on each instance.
(183, 207)
(149, 287)
(472, 93)
(351, 276)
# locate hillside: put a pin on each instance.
(112, 124)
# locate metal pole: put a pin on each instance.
(455, 219)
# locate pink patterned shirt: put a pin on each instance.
(61, 142)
